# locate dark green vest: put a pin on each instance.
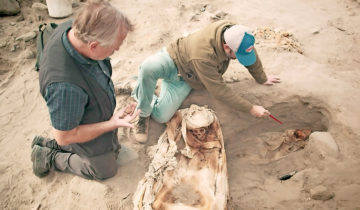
(57, 65)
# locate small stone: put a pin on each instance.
(321, 193)
(219, 15)
(9, 7)
(27, 37)
(39, 6)
(195, 18)
(316, 32)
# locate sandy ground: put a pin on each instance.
(314, 46)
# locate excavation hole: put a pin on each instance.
(266, 139)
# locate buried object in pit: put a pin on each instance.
(188, 170)
(291, 140)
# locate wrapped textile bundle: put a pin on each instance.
(188, 170)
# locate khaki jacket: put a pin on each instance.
(201, 61)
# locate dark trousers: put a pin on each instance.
(98, 167)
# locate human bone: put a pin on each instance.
(200, 133)
(197, 117)
(290, 141)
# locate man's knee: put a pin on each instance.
(103, 168)
(149, 68)
(105, 174)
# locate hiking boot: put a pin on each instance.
(142, 129)
(42, 158)
(126, 86)
(45, 142)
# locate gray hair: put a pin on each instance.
(100, 21)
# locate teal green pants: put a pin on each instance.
(173, 91)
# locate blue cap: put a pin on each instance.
(246, 53)
(241, 41)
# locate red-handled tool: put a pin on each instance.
(275, 119)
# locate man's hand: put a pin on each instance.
(259, 111)
(272, 80)
(124, 116)
(87, 132)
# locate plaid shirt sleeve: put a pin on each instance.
(66, 103)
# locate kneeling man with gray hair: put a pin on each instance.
(75, 81)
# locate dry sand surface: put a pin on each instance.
(313, 46)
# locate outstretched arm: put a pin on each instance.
(257, 72)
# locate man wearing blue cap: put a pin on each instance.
(197, 61)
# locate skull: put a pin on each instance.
(200, 133)
(302, 134)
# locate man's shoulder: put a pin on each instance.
(223, 22)
(64, 26)
(56, 37)
(65, 89)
